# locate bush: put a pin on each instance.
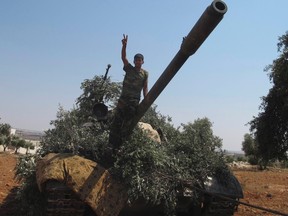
(31, 201)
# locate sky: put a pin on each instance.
(48, 48)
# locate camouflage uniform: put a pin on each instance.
(128, 102)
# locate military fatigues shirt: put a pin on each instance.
(133, 82)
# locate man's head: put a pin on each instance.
(138, 60)
(139, 55)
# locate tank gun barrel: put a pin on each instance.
(198, 34)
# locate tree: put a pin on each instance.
(2, 141)
(17, 143)
(28, 145)
(270, 127)
(199, 150)
(250, 149)
(5, 135)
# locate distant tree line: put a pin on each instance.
(7, 139)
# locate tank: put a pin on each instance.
(215, 199)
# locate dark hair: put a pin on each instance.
(139, 55)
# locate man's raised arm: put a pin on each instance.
(123, 52)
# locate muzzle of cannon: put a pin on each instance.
(198, 34)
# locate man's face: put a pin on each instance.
(138, 62)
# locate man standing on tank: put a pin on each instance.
(135, 81)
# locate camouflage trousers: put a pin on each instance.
(124, 113)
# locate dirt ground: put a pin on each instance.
(8, 185)
(267, 189)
